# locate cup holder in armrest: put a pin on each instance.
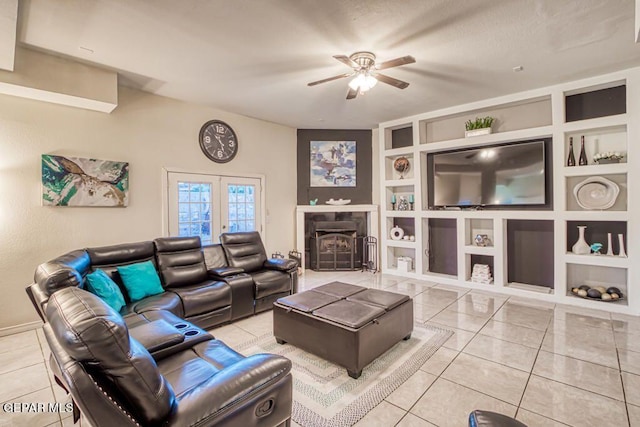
(191, 333)
(181, 326)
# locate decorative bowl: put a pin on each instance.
(338, 202)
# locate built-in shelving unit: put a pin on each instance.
(529, 252)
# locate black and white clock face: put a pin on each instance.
(218, 141)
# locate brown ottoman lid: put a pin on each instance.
(349, 313)
(307, 301)
(339, 289)
(385, 299)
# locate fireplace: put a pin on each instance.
(365, 218)
(335, 245)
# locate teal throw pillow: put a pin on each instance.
(141, 280)
(99, 283)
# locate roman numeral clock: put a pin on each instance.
(218, 141)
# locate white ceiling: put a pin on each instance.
(256, 57)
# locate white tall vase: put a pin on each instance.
(622, 253)
(581, 247)
(609, 245)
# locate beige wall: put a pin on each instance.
(148, 131)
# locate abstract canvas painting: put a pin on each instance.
(333, 164)
(72, 181)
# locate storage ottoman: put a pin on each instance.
(345, 324)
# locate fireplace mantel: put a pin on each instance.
(301, 210)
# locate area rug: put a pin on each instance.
(325, 396)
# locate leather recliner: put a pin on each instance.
(182, 269)
(115, 381)
(273, 278)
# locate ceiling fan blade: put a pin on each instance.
(352, 93)
(396, 62)
(391, 81)
(347, 61)
(341, 76)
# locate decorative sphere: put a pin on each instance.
(613, 290)
(615, 296)
(582, 292)
(585, 287)
(401, 164)
(602, 289)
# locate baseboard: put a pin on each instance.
(10, 330)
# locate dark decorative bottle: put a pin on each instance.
(571, 161)
(582, 161)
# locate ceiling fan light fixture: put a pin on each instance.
(363, 82)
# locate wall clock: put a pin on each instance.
(218, 141)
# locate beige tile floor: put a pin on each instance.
(545, 364)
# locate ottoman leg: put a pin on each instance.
(279, 341)
(354, 375)
(407, 337)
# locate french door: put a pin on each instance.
(207, 205)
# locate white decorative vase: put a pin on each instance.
(622, 253)
(609, 245)
(396, 233)
(581, 247)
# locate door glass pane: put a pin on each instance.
(241, 208)
(194, 210)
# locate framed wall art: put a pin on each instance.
(332, 164)
(72, 181)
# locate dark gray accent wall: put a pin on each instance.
(359, 195)
(597, 103)
(530, 252)
(402, 137)
(443, 248)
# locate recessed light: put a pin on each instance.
(518, 69)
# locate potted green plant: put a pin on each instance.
(479, 126)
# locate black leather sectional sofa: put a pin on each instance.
(205, 285)
(153, 363)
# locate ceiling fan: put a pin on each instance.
(366, 72)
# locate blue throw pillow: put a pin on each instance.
(141, 280)
(99, 283)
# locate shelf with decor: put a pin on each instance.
(601, 192)
(594, 150)
(400, 259)
(399, 198)
(479, 269)
(595, 276)
(399, 168)
(531, 232)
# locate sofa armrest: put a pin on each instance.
(222, 272)
(157, 335)
(281, 264)
(233, 386)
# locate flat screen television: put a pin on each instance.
(512, 175)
